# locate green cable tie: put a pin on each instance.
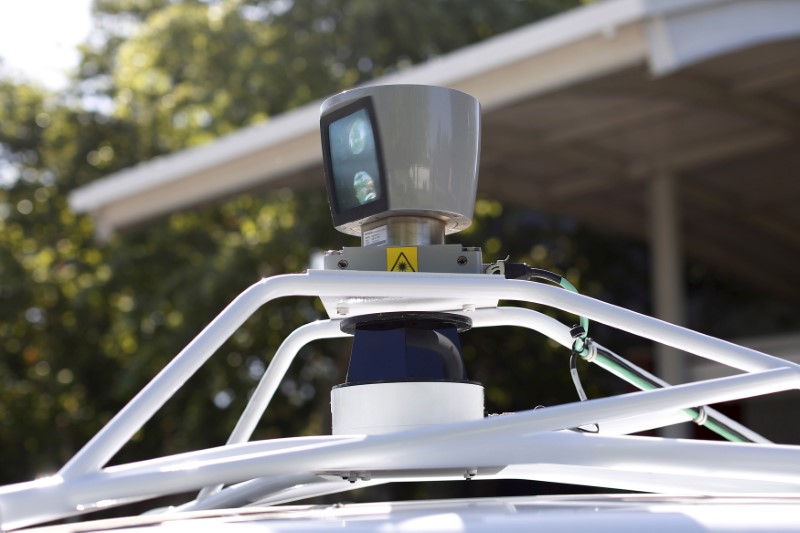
(565, 283)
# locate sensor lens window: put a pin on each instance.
(354, 160)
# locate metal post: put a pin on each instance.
(668, 283)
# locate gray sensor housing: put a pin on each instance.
(401, 152)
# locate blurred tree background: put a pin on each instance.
(84, 325)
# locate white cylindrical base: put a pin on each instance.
(377, 408)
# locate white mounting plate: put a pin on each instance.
(349, 303)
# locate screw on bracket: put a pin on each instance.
(343, 263)
(462, 260)
(352, 477)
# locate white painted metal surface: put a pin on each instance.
(602, 514)
(539, 444)
(371, 288)
(379, 408)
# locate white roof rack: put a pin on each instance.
(536, 444)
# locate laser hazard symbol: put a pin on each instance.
(402, 259)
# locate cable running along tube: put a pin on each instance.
(523, 271)
(590, 351)
(633, 375)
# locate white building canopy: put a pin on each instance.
(581, 112)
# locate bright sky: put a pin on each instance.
(38, 37)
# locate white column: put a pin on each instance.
(668, 283)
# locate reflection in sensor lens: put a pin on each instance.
(354, 160)
(364, 186)
(358, 136)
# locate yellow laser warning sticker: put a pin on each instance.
(402, 259)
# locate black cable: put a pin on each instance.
(523, 271)
(531, 273)
(576, 380)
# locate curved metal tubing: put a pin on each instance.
(555, 330)
(388, 285)
(425, 286)
(50, 498)
(285, 354)
(132, 417)
(278, 366)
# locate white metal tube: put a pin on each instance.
(521, 317)
(386, 284)
(529, 422)
(55, 497)
(657, 480)
(302, 492)
(491, 317)
(638, 424)
(188, 460)
(661, 480)
(327, 329)
(287, 351)
(19, 503)
(505, 316)
(248, 491)
(359, 285)
(266, 492)
(130, 419)
(271, 379)
(555, 330)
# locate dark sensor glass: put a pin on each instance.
(354, 160)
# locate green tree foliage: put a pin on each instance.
(51, 277)
(83, 325)
(190, 71)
